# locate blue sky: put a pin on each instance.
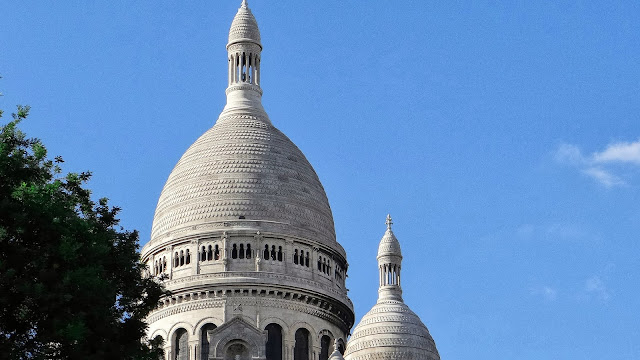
(504, 139)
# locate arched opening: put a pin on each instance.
(279, 253)
(341, 347)
(248, 251)
(273, 252)
(216, 253)
(295, 256)
(237, 351)
(301, 349)
(187, 259)
(210, 253)
(241, 253)
(306, 260)
(181, 257)
(234, 252)
(325, 344)
(274, 342)
(266, 252)
(204, 340)
(181, 345)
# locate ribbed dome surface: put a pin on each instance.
(390, 330)
(244, 26)
(245, 168)
(389, 245)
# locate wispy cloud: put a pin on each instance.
(600, 165)
(594, 286)
(546, 292)
(556, 231)
(604, 177)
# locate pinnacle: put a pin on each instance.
(389, 222)
(244, 4)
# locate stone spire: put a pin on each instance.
(244, 53)
(389, 265)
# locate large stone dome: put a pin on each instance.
(244, 169)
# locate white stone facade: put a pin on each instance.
(244, 238)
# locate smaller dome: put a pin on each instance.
(244, 27)
(390, 330)
(389, 244)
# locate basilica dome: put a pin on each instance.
(243, 236)
(244, 172)
(243, 168)
(390, 330)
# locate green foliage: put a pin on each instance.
(70, 277)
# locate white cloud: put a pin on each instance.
(569, 154)
(596, 287)
(622, 152)
(600, 165)
(604, 177)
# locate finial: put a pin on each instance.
(389, 222)
(244, 4)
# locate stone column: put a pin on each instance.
(258, 71)
(170, 262)
(195, 257)
(314, 262)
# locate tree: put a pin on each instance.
(71, 284)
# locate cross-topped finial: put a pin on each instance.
(244, 4)
(389, 222)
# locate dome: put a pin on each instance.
(244, 27)
(390, 330)
(245, 170)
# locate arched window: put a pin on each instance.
(234, 252)
(188, 257)
(279, 253)
(301, 349)
(210, 253)
(325, 343)
(319, 263)
(176, 260)
(181, 257)
(266, 252)
(273, 252)
(274, 342)
(204, 340)
(295, 256)
(248, 251)
(341, 347)
(241, 254)
(181, 345)
(324, 266)
(164, 264)
(306, 260)
(203, 254)
(216, 253)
